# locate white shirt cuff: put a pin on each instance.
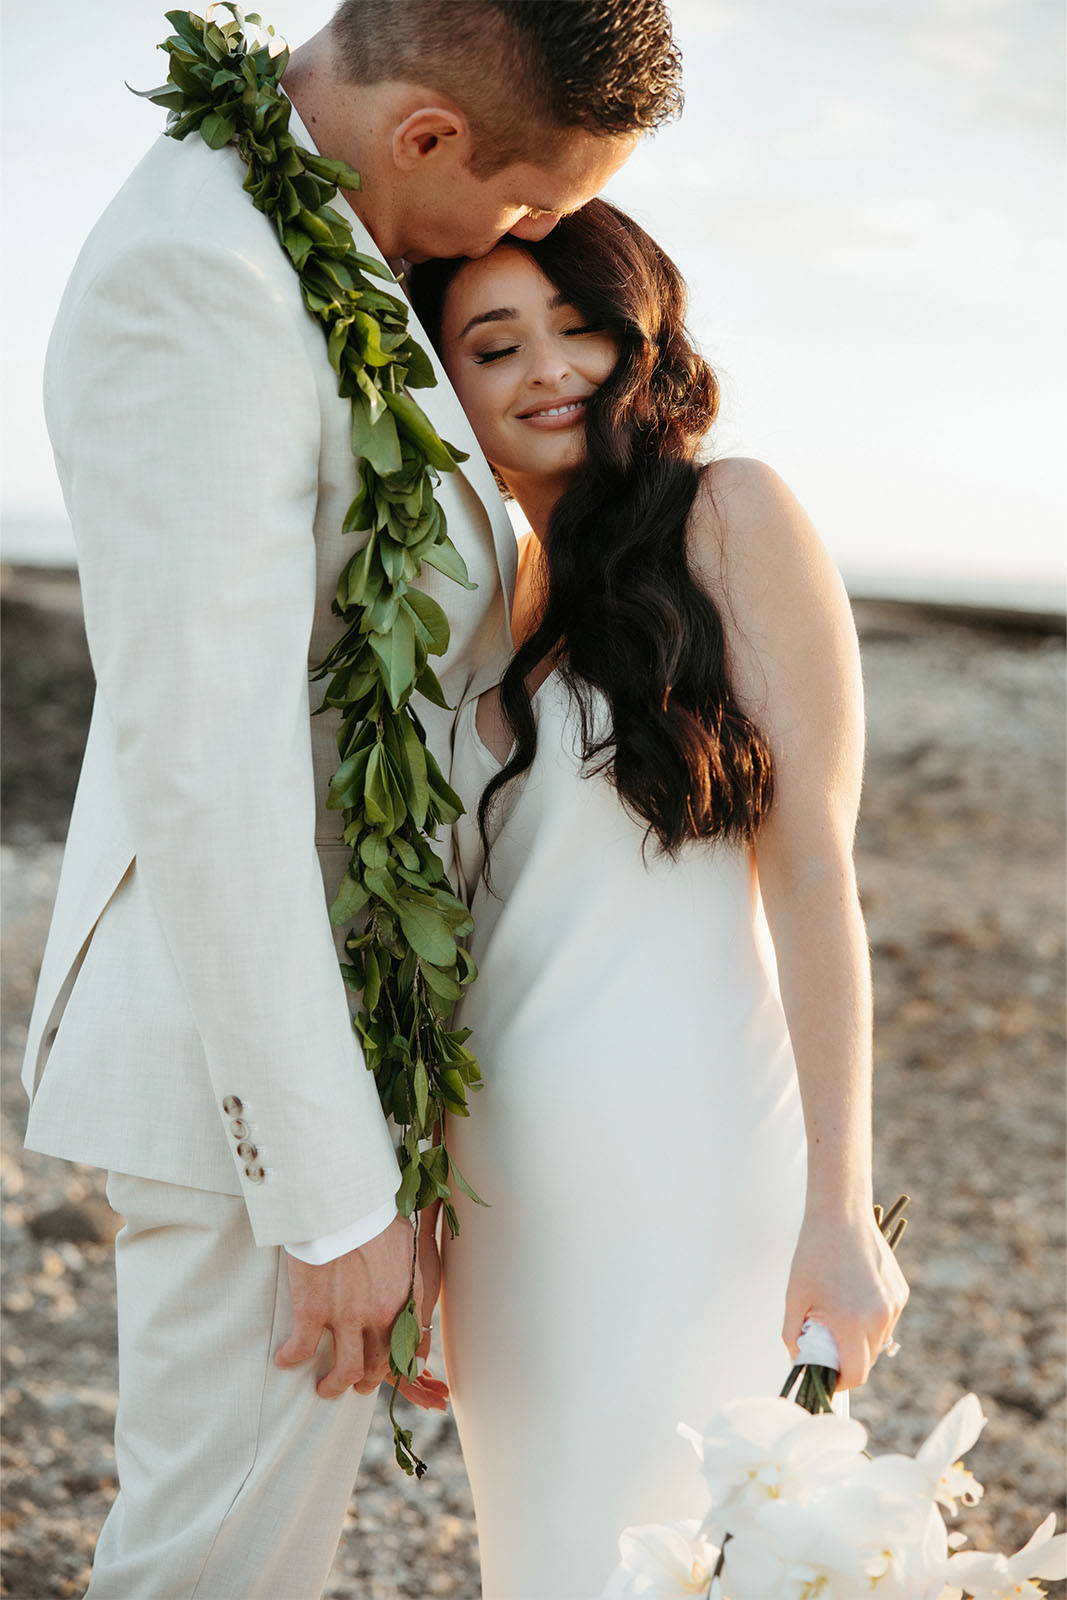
(316, 1252)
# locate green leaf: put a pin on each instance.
(394, 562)
(186, 79)
(291, 208)
(336, 271)
(336, 342)
(347, 783)
(298, 245)
(465, 1186)
(432, 621)
(189, 26)
(351, 898)
(215, 40)
(440, 982)
(396, 652)
(447, 802)
(409, 1188)
(428, 684)
(374, 851)
(173, 99)
(217, 130)
(417, 426)
(407, 853)
(380, 884)
(314, 224)
(360, 513)
(415, 761)
(372, 987)
(334, 171)
(375, 794)
(370, 344)
(404, 1341)
(422, 1090)
(377, 269)
(427, 932)
(363, 583)
(428, 1191)
(379, 614)
(372, 394)
(377, 441)
(446, 558)
(420, 373)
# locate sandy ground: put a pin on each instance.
(960, 858)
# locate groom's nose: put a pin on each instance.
(535, 227)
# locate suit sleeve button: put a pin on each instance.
(232, 1105)
(238, 1128)
(246, 1151)
(255, 1174)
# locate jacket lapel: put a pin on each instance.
(440, 403)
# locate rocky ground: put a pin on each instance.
(960, 856)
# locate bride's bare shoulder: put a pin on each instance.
(748, 535)
(756, 552)
(745, 512)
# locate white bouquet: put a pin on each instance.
(800, 1511)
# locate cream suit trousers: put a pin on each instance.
(234, 1475)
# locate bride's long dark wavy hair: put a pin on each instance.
(621, 610)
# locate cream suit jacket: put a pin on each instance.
(191, 1022)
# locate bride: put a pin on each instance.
(673, 1012)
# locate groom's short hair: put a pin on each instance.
(521, 71)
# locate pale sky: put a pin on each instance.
(866, 199)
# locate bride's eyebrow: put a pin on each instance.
(505, 314)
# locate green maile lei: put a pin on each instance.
(404, 955)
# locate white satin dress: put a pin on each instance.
(640, 1138)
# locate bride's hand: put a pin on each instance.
(845, 1276)
(426, 1391)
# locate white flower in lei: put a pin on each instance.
(234, 22)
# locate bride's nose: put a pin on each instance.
(549, 365)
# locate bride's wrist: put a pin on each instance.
(839, 1203)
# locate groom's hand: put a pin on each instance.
(357, 1296)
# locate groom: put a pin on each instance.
(191, 1031)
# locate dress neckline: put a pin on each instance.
(476, 736)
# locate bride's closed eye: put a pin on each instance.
(495, 355)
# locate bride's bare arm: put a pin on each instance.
(794, 663)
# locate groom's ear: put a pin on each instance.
(427, 134)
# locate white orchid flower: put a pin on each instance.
(939, 1454)
(756, 1565)
(998, 1577)
(662, 1561)
(761, 1449)
(859, 1537)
